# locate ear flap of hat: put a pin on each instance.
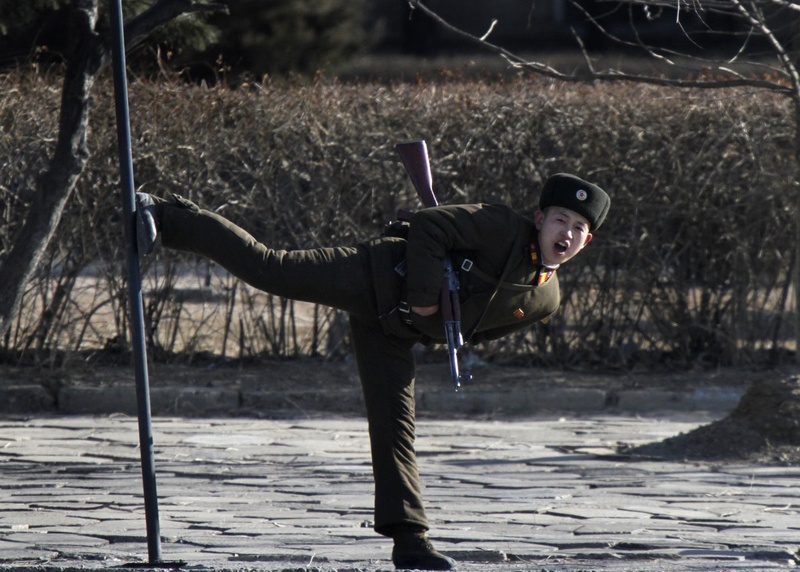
(583, 197)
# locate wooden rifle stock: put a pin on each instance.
(414, 156)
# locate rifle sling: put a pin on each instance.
(513, 286)
(499, 283)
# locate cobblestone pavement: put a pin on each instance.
(542, 493)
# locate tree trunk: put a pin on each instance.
(86, 56)
(796, 274)
(54, 186)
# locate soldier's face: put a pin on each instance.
(563, 233)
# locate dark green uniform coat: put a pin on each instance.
(486, 243)
(375, 283)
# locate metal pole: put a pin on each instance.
(134, 283)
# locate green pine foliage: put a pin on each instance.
(277, 37)
(38, 30)
(256, 37)
(16, 14)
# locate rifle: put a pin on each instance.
(414, 156)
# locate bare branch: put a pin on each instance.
(786, 4)
(162, 12)
(489, 31)
(612, 74)
(587, 60)
(756, 19)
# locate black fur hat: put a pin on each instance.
(571, 192)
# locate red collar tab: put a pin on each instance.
(544, 273)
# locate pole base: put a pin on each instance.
(171, 564)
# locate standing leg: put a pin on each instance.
(386, 368)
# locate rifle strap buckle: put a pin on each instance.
(467, 265)
(405, 308)
(402, 268)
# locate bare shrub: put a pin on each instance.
(692, 266)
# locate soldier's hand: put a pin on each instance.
(425, 310)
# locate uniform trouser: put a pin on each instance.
(339, 278)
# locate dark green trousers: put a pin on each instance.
(340, 278)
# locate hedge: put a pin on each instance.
(694, 265)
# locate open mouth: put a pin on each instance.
(561, 247)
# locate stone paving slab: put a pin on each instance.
(286, 495)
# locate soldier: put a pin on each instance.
(390, 288)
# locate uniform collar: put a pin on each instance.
(536, 256)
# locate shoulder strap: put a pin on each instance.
(515, 247)
(513, 286)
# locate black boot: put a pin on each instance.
(149, 210)
(146, 228)
(413, 551)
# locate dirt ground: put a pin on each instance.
(763, 429)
